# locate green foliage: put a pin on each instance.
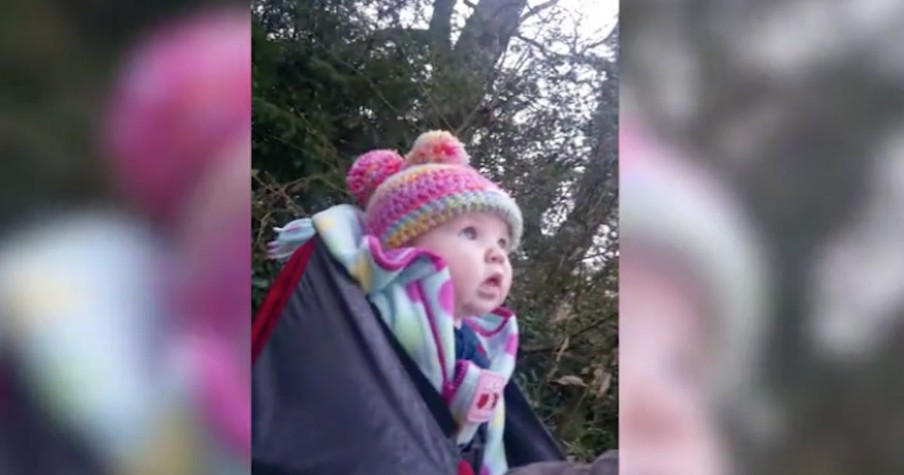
(335, 78)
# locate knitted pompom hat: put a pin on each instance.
(406, 197)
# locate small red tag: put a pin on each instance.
(486, 396)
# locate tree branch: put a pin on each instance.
(572, 336)
(400, 35)
(532, 42)
(487, 32)
(441, 25)
(537, 9)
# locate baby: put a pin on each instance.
(691, 293)
(430, 247)
(435, 202)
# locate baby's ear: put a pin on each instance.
(369, 171)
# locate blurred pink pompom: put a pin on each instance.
(223, 390)
(184, 93)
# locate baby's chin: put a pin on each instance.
(480, 308)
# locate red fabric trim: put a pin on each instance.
(277, 296)
(464, 468)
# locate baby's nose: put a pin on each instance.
(495, 255)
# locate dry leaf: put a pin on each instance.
(571, 380)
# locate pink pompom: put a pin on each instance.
(370, 170)
(438, 147)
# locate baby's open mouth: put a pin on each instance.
(492, 282)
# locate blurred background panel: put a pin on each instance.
(58, 65)
(124, 249)
(793, 109)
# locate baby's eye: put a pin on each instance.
(503, 243)
(469, 232)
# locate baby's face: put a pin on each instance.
(475, 247)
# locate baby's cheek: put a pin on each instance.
(508, 287)
(460, 286)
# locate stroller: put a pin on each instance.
(334, 393)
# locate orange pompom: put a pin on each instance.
(438, 147)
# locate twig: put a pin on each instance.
(537, 9)
(569, 337)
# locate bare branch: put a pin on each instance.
(572, 336)
(400, 35)
(532, 42)
(537, 9)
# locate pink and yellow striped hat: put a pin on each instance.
(404, 197)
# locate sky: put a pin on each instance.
(592, 18)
